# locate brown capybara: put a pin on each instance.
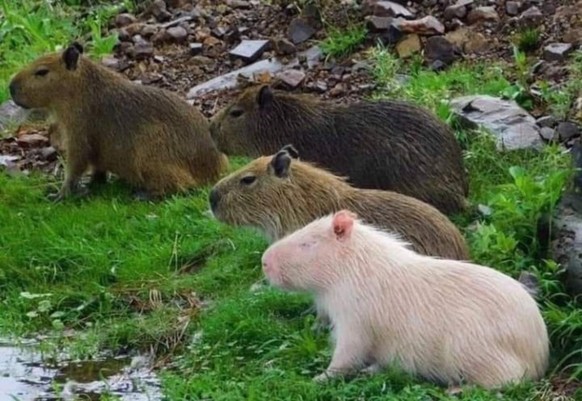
(447, 321)
(388, 144)
(148, 136)
(279, 194)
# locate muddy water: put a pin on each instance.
(24, 376)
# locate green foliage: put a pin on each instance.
(528, 39)
(340, 43)
(29, 28)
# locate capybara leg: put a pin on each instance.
(372, 369)
(75, 168)
(172, 179)
(349, 356)
(98, 177)
(144, 195)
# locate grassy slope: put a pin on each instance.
(94, 265)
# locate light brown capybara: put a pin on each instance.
(148, 136)
(448, 321)
(279, 194)
(389, 144)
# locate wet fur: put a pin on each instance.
(447, 321)
(278, 206)
(385, 144)
(147, 136)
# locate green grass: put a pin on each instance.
(136, 275)
(340, 43)
(29, 28)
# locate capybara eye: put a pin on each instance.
(236, 112)
(41, 72)
(248, 180)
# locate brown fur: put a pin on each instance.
(147, 136)
(389, 144)
(288, 194)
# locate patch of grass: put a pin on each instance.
(29, 28)
(528, 39)
(340, 43)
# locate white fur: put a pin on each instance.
(448, 321)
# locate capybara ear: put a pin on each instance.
(265, 96)
(280, 164)
(78, 46)
(343, 223)
(71, 56)
(291, 150)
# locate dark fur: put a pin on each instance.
(280, 194)
(148, 136)
(389, 144)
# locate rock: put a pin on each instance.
(512, 8)
(250, 50)
(291, 77)
(532, 17)
(284, 47)
(386, 9)
(392, 35)
(148, 31)
(230, 80)
(184, 19)
(48, 153)
(547, 121)
(195, 48)
(111, 62)
(512, 126)
(557, 51)
(567, 130)
(477, 44)
(299, 31)
(12, 115)
(141, 50)
(378, 24)
(530, 282)
(408, 46)
(159, 11)
(124, 19)
(578, 109)
(549, 134)
(428, 25)
(32, 140)
(242, 4)
(566, 248)
(458, 10)
(437, 48)
(177, 34)
(482, 14)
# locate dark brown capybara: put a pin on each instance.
(389, 144)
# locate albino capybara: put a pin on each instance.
(279, 194)
(447, 321)
(150, 137)
(388, 144)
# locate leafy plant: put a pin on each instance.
(341, 43)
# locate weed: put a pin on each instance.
(340, 43)
(528, 39)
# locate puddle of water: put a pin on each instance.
(24, 376)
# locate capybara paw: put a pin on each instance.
(372, 369)
(322, 378)
(98, 178)
(144, 196)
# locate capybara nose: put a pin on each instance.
(213, 198)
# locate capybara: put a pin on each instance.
(447, 321)
(388, 144)
(279, 194)
(148, 136)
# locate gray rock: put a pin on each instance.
(567, 130)
(557, 51)
(547, 121)
(458, 10)
(512, 8)
(111, 62)
(274, 65)
(299, 31)
(141, 50)
(177, 34)
(195, 48)
(386, 9)
(428, 25)
(437, 48)
(284, 46)
(159, 11)
(178, 21)
(531, 17)
(378, 24)
(12, 115)
(482, 14)
(512, 126)
(291, 77)
(549, 134)
(566, 248)
(124, 19)
(250, 50)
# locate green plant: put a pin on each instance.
(341, 43)
(528, 39)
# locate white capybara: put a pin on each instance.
(448, 321)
